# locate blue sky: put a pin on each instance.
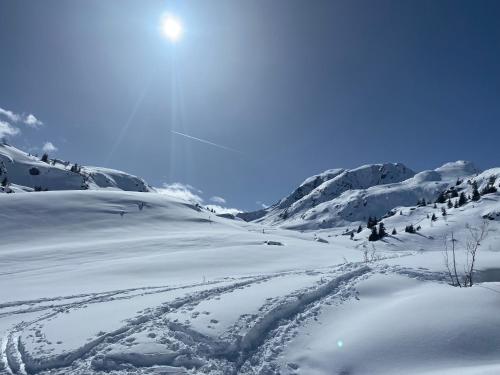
(288, 87)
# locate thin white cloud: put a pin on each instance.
(192, 188)
(7, 129)
(218, 200)
(14, 117)
(29, 119)
(191, 194)
(261, 204)
(32, 121)
(223, 210)
(49, 147)
(181, 191)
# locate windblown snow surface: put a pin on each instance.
(123, 282)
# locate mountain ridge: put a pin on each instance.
(333, 198)
(23, 172)
(346, 196)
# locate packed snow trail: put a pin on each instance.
(235, 352)
(34, 365)
(152, 339)
(257, 333)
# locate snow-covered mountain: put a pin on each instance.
(341, 197)
(99, 280)
(25, 172)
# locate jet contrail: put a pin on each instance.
(207, 142)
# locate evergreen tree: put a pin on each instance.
(433, 218)
(462, 199)
(441, 198)
(360, 228)
(352, 235)
(372, 221)
(450, 205)
(443, 211)
(410, 229)
(490, 187)
(475, 192)
(3, 168)
(381, 230)
(74, 168)
(394, 232)
(5, 182)
(373, 235)
(45, 158)
(456, 204)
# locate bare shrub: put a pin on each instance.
(370, 255)
(474, 238)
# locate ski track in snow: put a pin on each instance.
(10, 346)
(230, 353)
(241, 324)
(89, 298)
(249, 346)
(12, 350)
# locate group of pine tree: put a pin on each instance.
(444, 197)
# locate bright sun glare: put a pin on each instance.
(171, 27)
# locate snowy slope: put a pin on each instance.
(356, 195)
(103, 281)
(138, 282)
(327, 186)
(28, 171)
(303, 190)
(401, 326)
(86, 252)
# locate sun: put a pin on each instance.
(171, 27)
